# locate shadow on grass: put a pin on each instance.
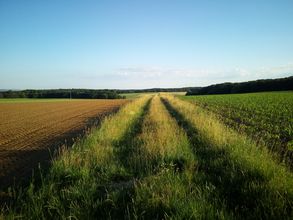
(132, 155)
(115, 198)
(128, 146)
(242, 189)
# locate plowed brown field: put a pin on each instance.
(29, 130)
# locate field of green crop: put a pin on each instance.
(266, 117)
(159, 157)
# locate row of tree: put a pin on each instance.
(223, 88)
(62, 93)
(82, 93)
(262, 85)
(184, 89)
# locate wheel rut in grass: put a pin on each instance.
(120, 185)
(125, 147)
(244, 190)
(152, 162)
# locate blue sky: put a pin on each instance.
(142, 43)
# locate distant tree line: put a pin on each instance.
(262, 85)
(184, 89)
(62, 93)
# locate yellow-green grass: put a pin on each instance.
(138, 94)
(178, 93)
(244, 176)
(157, 142)
(168, 186)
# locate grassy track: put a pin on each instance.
(161, 158)
(168, 185)
(244, 177)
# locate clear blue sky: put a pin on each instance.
(142, 44)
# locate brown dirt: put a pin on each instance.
(30, 132)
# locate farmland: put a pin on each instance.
(266, 117)
(160, 157)
(28, 128)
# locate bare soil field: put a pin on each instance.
(30, 131)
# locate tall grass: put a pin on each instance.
(244, 176)
(168, 186)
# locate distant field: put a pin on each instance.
(131, 95)
(136, 95)
(177, 93)
(266, 116)
(28, 127)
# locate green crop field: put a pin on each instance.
(167, 157)
(266, 117)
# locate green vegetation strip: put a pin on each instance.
(243, 176)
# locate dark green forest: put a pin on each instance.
(81, 93)
(62, 93)
(184, 89)
(262, 85)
